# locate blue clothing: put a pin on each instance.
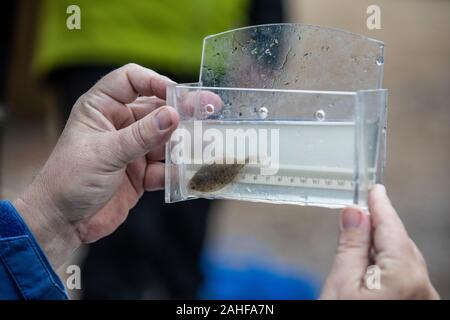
(25, 272)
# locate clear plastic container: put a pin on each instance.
(323, 147)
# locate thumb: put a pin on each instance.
(352, 256)
(146, 134)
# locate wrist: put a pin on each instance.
(56, 236)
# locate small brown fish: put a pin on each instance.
(213, 177)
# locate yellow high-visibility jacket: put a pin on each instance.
(163, 34)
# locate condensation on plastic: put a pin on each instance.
(292, 56)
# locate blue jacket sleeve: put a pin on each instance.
(25, 272)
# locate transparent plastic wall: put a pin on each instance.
(370, 135)
(310, 95)
(322, 147)
(292, 56)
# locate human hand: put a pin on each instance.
(108, 154)
(377, 239)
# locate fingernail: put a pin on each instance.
(163, 119)
(380, 189)
(351, 218)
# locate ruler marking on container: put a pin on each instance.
(291, 181)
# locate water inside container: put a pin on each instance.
(306, 162)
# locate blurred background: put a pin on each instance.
(237, 249)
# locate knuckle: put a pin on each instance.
(350, 243)
(131, 66)
(82, 101)
(418, 282)
(139, 134)
(412, 280)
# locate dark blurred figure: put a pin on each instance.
(155, 254)
(7, 18)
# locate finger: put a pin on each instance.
(381, 208)
(352, 256)
(154, 176)
(157, 154)
(389, 233)
(126, 83)
(122, 117)
(145, 105)
(145, 135)
(199, 103)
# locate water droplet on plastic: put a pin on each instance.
(263, 112)
(319, 115)
(380, 61)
